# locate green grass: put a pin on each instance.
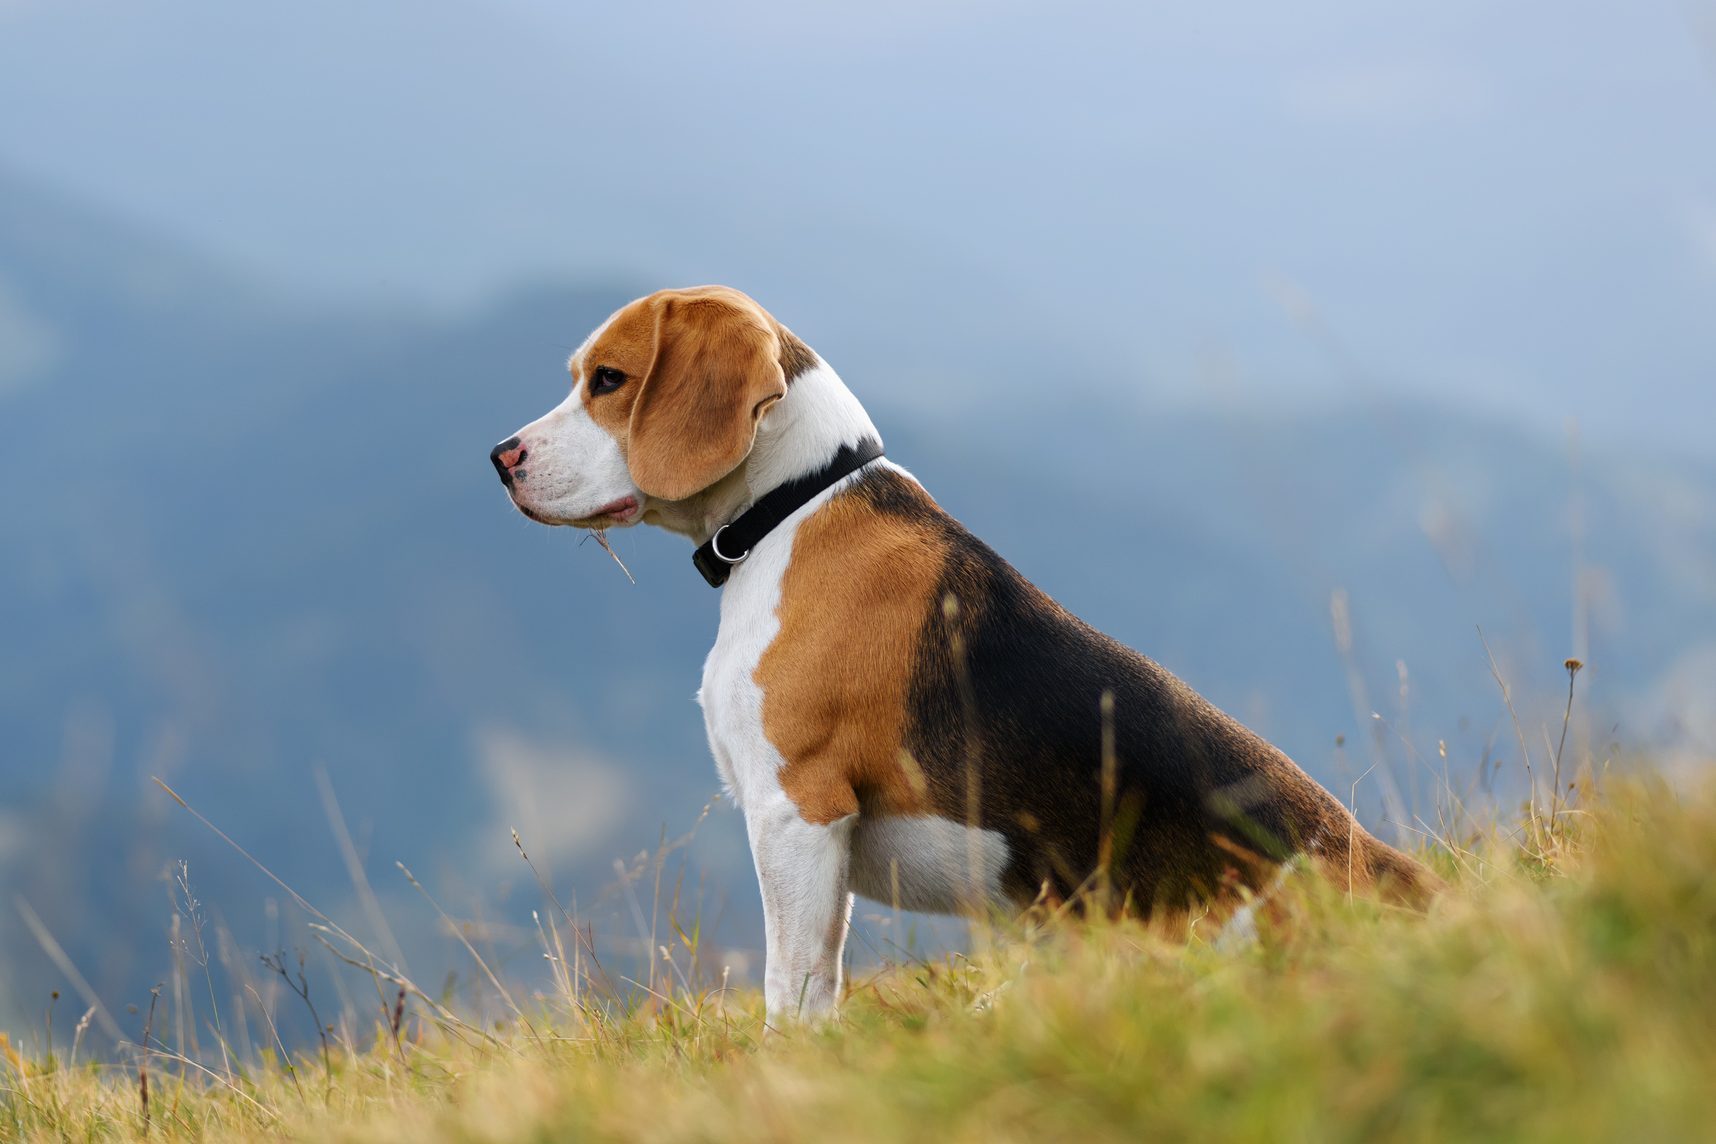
(1564, 992)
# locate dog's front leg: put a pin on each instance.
(803, 870)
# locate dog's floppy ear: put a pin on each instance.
(716, 372)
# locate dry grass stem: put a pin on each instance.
(600, 536)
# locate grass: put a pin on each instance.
(1563, 989)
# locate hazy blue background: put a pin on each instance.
(1217, 323)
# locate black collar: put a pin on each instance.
(734, 540)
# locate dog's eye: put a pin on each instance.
(606, 379)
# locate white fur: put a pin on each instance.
(927, 863)
(573, 467)
(804, 429)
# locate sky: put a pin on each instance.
(1505, 207)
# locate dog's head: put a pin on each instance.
(666, 397)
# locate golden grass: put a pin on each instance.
(1566, 993)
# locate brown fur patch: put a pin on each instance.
(796, 357)
(854, 600)
(628, 345)
(702, 366)
(1371, 867)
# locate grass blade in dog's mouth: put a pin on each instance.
(601, 537)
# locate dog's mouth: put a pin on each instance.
(620, 512)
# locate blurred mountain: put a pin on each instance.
(248, 540)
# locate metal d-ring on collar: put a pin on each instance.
(715, 547)
(774, 506)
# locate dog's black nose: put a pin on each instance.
(507, 457)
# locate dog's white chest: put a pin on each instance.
(732, 699)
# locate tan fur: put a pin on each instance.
(702, 365)
(1371, 867)
(835, 709)
(628, 345)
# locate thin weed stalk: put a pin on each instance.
(471, 949)
(1524, 751)
(301, 986)
(1572, 667)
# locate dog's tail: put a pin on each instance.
(1380, 869)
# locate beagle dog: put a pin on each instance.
(897, 712)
